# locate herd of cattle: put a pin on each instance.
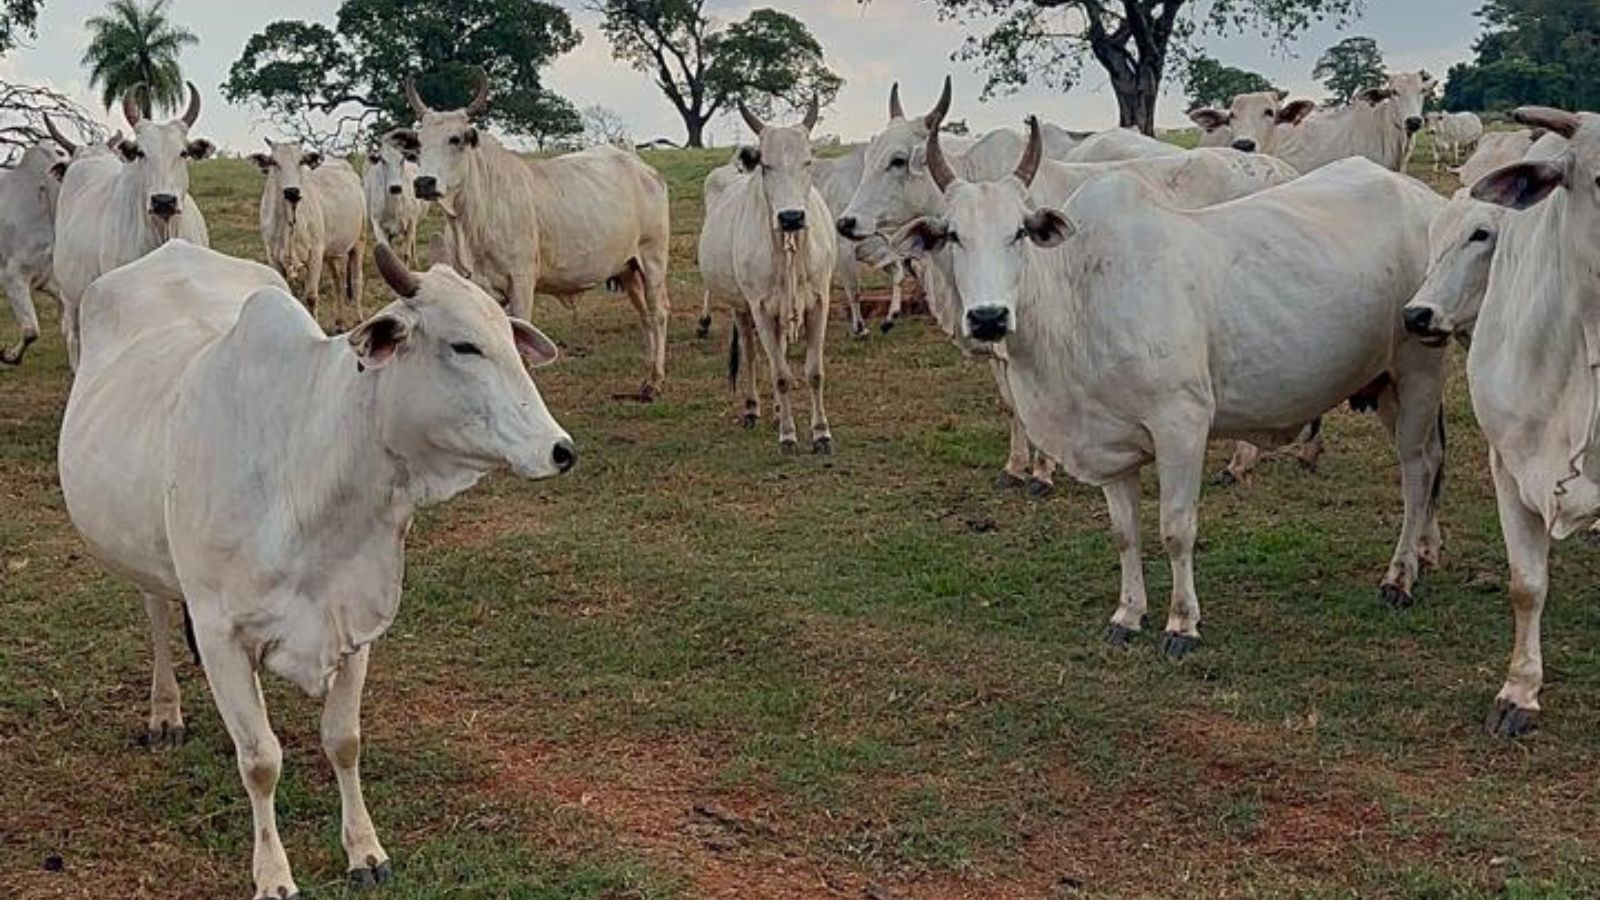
(1134, 300)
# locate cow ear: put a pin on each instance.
(532, 343)
(379, 339)
(1296, 112)
(1210, 119)
(472, 137)
(1048, 227)
(199, 148)
(1520, 185)
(262, 161)
(1375, 95)
(749, 158)
(311, 160)
(374, 157)
(919, 237)
(129, 150)
(405, 139)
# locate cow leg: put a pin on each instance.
(519, 299)
(341, 741)
(774, 341)
(20, 294)
(1246, 456)
(650, 282)
(165, 726)
(702, 328)
(897, 272)
(1310, 449)
(744, 329)
(355, 282)
(850, 280)
(1180, 464)
(409, 236)
(1019, 453)
(237, 690)
(1122, 499)
(1042, 478)
(313, 283)
(1528, 549)
(1415, 419)
(69, 331)
(816, 337)
(340, 266)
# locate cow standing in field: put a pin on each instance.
(28, 194)
(1380, 124)
(557, 226)
(1453, 132)
(762, 255)
(113, 211)
(219, 451)
(311, 216)
(392, 204)
(1496, 149)
(1117, 357)
(1531, 369)
(837, 179)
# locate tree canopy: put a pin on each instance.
(1207, 82)
(769, 61)
(19, 19)
(1532, 52)
(332, 86)
(1350, 67)
(134, 47)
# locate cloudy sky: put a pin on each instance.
(871, 46)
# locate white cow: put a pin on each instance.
(392, 204)
(28, 195)
(1496, 149)
(1380, 124)
(1251, 123)
(837, 180)
(1115, 145)
(560, 226)
(1453, 132)
(1118, 356)
(113, 211)
(1531, 370)
(218, 450)
(767, 252)
(312, 214)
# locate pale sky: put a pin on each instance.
(870, 46)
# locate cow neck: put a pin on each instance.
(472, 210)
(131, 203)
(285, 228)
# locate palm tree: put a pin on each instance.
(137, 46)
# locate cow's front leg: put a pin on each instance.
(313, 282)
(1019, 453)
(234, 683)
(165, 726)
(1418, 427)
(1180, 464)
(816, 337)
(743, 337)
(772, 331)
(20, 294)
(850, 282)
(341, 740)
(897, 273)
(1516, 707)
(1042, 478)
(1122, 500)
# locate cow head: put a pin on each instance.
(454, 395)
(442, 142)
(895, 186)
(782, 160)
(1406, 92)
(286, 166)
(159, 154)
(1461, 245)
(982, 240)
(390, 163)
(1251, 121)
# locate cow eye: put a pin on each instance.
(455, 140)
(466, 348)
(952, 237)
(899, 162)
(1478, 236)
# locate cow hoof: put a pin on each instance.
(164, 738)
(1225, 478)
(702, 329)
(8, 359)
(1395, 598)
(1307, 466)
(1175, 646)
(1508, 720)
(822, 446)
(886, 326)
(789, 447)
(1120, 635)
(1006, 481)
(858, 329)
(372, 876)
(750, 420)
(281, 893)
(1039, 490)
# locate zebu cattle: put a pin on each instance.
(559, 226)
(312, 215)
(763, 255)
(1453, 132)
(1496, 149)
(1531, 369)
(1380, 124)
(392, 205)
(1113, 146)
(219, 451)
(28, 194)
(113, 211)
(1251, 123)
(1118, 356)
(837, 179)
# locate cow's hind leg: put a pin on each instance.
(1181, 462)
(816, 338)
(69, 331)
(1246, 456)
(653, 325)
(1411, 407)
(897, 274)
(1122, 499)
(165, 726)
(1310, 446)
(850, 280)
(702, 328)
(355, 280)
(1516, 707)
(341, 740)
(742, 349)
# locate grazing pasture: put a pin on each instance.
(697, 668)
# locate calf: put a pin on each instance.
(311, 216)
(392, 204)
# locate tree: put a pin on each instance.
(1047, 41)
(1207, 82)
(18, 19)
(23, 108)
(603, 125)
(1532, 52)
(335, 86)
(770, 61)
(1350, 67)
(133, 47)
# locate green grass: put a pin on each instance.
(697, 668)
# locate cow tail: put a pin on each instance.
(733, 357)
(1437, 491)
(188, 634)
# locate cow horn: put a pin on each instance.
(412, 97)
(938, 166)
(933, 118)
(750, 119)
(896, 111)
(480, 99)
(58, 137)
(192, 114)
(1029, 166)
(395, 273)
(1557, 120)
(130, 106)
(810, 120)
